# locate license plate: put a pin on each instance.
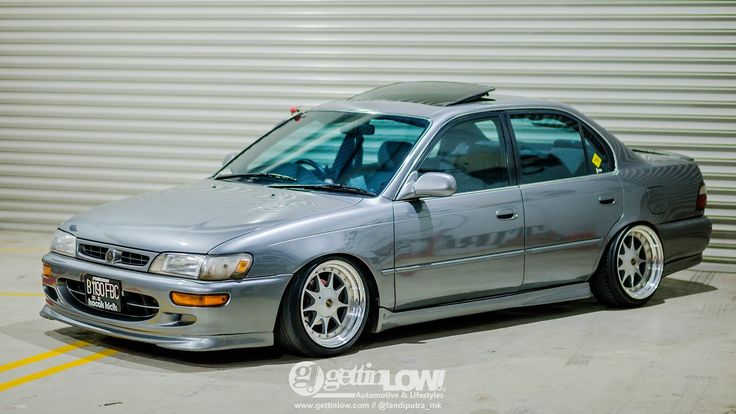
(103, 293)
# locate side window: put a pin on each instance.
(597, 155)
(473, 153)
(550, 147)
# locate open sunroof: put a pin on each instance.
(428, 93)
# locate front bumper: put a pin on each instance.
(247, 320)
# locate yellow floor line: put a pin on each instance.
(20, 294)
(23, 250)
(55, 370)
(44, 355)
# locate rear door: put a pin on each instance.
(571, 193)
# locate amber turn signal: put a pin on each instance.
(200, 301)
(47, 278)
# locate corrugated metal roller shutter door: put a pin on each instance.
(99, 100)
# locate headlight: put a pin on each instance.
(64, 243)
(195, 266)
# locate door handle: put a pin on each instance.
(606, 199)
(506, 214)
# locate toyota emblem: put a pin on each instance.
(112, 256)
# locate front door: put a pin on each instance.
(468, 245)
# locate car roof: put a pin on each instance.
(443, 100)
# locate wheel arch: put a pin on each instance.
(363, 268)
(614, 234)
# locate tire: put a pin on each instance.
(324, 310)
(631, 268)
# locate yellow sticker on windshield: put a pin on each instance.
(596, 160)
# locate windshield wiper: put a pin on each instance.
(338, 188)
(257, 175)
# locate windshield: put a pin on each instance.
(330, 151)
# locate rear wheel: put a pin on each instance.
(631, 269)
(325, 309)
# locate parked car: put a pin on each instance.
(407, 203)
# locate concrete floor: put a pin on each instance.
(676, 355)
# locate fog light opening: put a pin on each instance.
(50, 294)
(200, 301)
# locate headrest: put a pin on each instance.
(459, 138)
(392, 153)
(567, 143)
(480, 157)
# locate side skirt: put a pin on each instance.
(388, 319)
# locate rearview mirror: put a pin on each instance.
(362, 129)
(229, 157)
(429, 184)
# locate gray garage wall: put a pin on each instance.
(103, 99)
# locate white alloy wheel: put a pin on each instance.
(639, 262)
(333, 303)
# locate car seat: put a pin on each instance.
(390, 156)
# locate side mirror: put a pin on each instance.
(229, 157)
(429, 184)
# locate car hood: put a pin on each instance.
(195, 218)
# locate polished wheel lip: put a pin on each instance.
(639, 262)
(333, 303)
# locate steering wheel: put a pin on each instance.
(318, 170)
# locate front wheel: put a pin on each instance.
(631, 269)
(325, 309)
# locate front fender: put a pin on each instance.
(365, 233)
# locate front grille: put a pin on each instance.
(95, 252)
(125, 257)
(134, 305)
(133, 259)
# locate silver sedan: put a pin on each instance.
(407, 203)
